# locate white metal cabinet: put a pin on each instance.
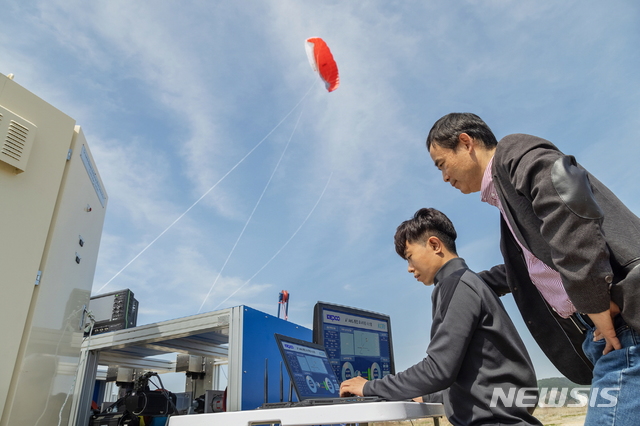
(43, 214)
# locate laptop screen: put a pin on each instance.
(309, 368)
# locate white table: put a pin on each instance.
(323, 415)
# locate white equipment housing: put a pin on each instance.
(51, 218)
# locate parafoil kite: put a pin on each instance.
(322, 62)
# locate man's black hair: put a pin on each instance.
(445, 131)
(426, 222)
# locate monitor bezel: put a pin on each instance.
(280, 338)
(318, 335)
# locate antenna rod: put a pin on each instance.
(281, 383)
(266, 380)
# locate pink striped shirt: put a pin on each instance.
(546, 280)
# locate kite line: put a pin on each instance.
(209, 190)
(283, 246)
(254, 209)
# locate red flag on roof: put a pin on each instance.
(322, 61)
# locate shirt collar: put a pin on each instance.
(487, 189)
(449, 268)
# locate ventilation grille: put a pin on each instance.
(17, 139)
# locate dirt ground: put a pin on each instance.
(551, 416)
(563, 416)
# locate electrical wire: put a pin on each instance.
(55, 355)
(163, 391)
(167, 394)
(146, 401)
(225, 373)
(81, 362)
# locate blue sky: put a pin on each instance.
(173, 95)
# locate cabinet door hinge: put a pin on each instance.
(38, 276)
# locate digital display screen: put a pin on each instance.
(102, 307)
(311, 370)
(358, 342)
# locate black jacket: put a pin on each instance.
(577, 226)
(474, 349)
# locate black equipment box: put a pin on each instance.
(114, 419)
(151, 403)
(114, 311)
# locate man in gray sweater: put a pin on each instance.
(475, 356)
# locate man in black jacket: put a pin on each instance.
(571, 254)
(475, 355)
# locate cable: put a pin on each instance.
(167, 395)
(146, 401)
(162, 390)
(81, 362)
(225, 373)
(210, 189)
(253, 211)
(64, 331)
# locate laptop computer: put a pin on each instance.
(311, 374)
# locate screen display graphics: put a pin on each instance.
(358, 342)
(311, 371)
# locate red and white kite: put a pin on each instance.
(322, 61)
